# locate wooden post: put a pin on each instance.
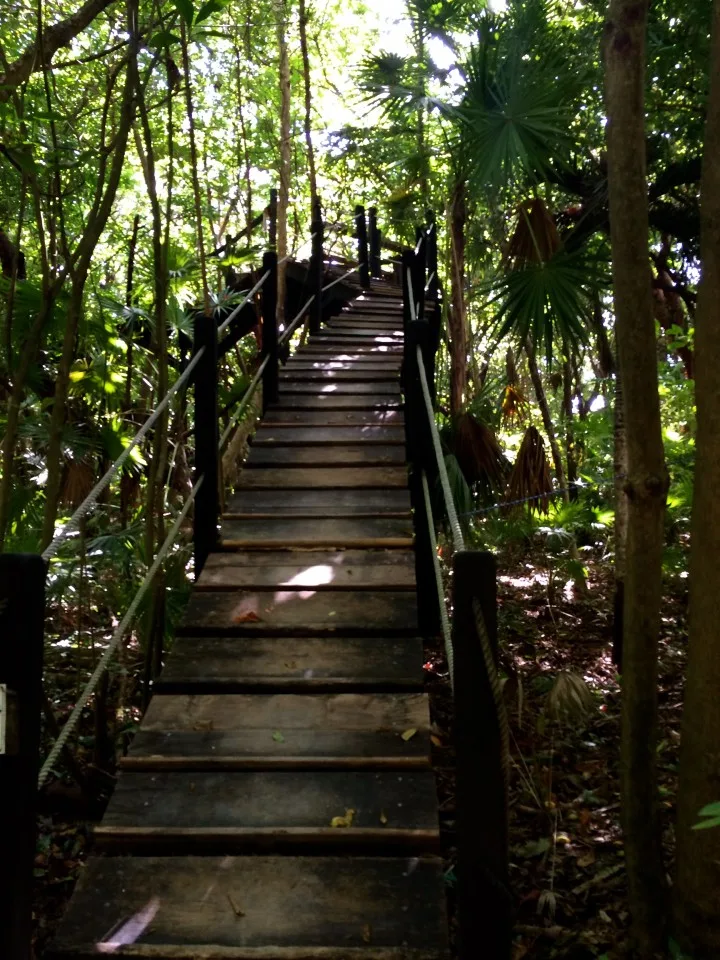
(419, 274)
(207, 501)
(484, 900)
(272, 219)
(362, 243)
(433, 291)
(270, 330)
(317, 274)
(375, 241)
(22, 613)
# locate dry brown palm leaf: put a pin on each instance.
(77, 482)
(535, 238)
(530, 478)
(514, 406)
(478, 452)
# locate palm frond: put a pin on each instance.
(530, 478)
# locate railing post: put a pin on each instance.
(272, 219)
(207, 501)
(316, 268)
(420, 272)
(481, 802)
(362, 244)
(375, 240)
(22, 613)
(270, 330)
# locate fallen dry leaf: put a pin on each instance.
(383, 818)
(436, 740)
(409, 734)
(367, 933)
(249, 617)
(345, 821)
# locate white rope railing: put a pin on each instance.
(228, 320)
(247, 397)
(444, 618)
(339, 279)
(295, 321)
(90, 501)
(117, 636)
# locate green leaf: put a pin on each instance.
(711, 810)
(208, 9)
(163, 39)
(185, 9)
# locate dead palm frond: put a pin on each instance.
(530, 478)
(514, 405)
(478, 453)
(535, 238)
(77, 481)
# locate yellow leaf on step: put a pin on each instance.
(409, 734)
(345, 821)
(436, 740)
(383, 818)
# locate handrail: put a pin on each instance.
(117, 636)
(90, 500)
(444, 618)
(228, 320)
(339, 279)
(294, 322)
(247, 396)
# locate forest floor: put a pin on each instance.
(566, 853)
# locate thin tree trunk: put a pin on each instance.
(128, 303)
(621, 519)
(697, 892)
(457, 313)
(546, 418)
(282, 8)
(570, 452)
(646, 483)
(13, 279)
(244, 149)
(308, 104)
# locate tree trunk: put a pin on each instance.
(621, 520)
(457, 313)
(570, 452)
(282, 11)
(546, 418)
(697, 892)
(308, 104)
(647, 480)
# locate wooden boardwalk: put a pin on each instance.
(278, 801)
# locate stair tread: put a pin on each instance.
(259, 908)
(271, 533)
(326, 455)
(321, 503)
(323, 478)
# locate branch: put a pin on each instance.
(54, 37)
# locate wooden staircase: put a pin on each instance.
(278, 801)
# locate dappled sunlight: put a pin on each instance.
(328, 388)
(129, 931)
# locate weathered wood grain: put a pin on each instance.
(267, 664)
(386, 387)
(273, 534)
(269, 434)
(339, 402)
(323, 478)
(355, 375)
(328, 418)
(258, 908)
(326, 455)
(301, 613)
(319, 503)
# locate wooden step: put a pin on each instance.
(323, 478)
(274, 534)
(328, 418)
(283, 731)
(323, 346)
(326, 455)
(385, 387)
(318, 503)
(304, 613)
(359, 364)
(348, 341)
(310, 569)
(257, 908)
(332, 400)
(311, 665)
(235, 811)
(350, 330)
(297, 374)
(270, 435)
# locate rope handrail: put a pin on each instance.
(228, 320)
(90, 500)
(247, 397)
(294, 322)
(430, 280)
(339, 279)
(444, 618)
(117, 636)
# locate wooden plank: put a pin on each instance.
(257, 908)
(309, 436)
(284, 731)
(326, 455)
(343, 402)
(341, 330)
(304, 613)
(384, 387)
(274, 534)
(294, 374)
(244, 810)
(313, 664)
(323, 478)
(328, 418)
(324, 346)
(344, 361)
(371, 340)
(319, 503)
(314, 569)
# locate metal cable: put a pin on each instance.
(247, 396)
(90, 501)
(494, 679)
(444, 618)
(293, 323)
(228, 320)
(339, 279)
(115, 641)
